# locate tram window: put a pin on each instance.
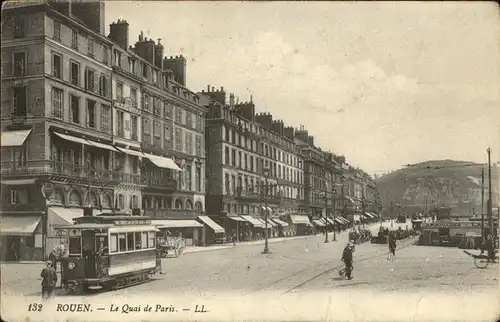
(138, 241)
(130, 241)
(122, 243)
(113, 241)
(144, 240)
(75, 246)
(152, 239)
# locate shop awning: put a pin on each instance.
(300, 219)
(131, 152)
(212, 224)
(343, 219)
(280, 222)
(330, 221)
(339, 221)
(132, 228)
(270, 223)
(253, 221)
(17, 182)
(349, 199)
(163, 162)
(14, 138)
(235, 218)
(319, 223)
(374, 214)
(369, 215)
(85, 141)
(19, 225)
(176, 223)
(267, 208)
(68, 214)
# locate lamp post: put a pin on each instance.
(266, 245)
(334, 191)
(326, 216)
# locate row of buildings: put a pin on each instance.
(92, 121)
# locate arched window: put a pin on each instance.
(178, 204)
(57, 197)
(106, 201)
(75, 199)
(94, 200)
(134, 202)
(199, 207)
(121, 201)
(189, 205)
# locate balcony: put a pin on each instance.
(159, 183)
(75, 171)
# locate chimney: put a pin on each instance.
(218, 96)
(159, 54)
(264, 119)
(177, 65)
(231, 100)
(288, 132)
(247, 110)
(278, 127)
(145, 48)
(91, 13)
(63, 6)
(118, 32)
(302, 134)
(310, 140)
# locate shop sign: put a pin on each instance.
(132, 222)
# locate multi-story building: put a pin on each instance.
(56, 121)
(250, 161)
(172, 128)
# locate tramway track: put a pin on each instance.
(408, 244)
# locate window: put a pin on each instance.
(198, 179)
(19, 26)
(134, 120)
(131, 65)
(178, 115)
(147, 127)
(118, 58)
(105, 118)
(103, 86)
(90, 47)
(157, 106)
(105, 55)
(155, 77)
(75, 73)
(113, 243)
(187, 177)
(189, 121)
(130, 241)
(19, 64)
(145, 70)
(57, 30)
(198, 123)
(151, 239)
(14, 197)
(240, 160)
(168, 110)
(20, 101)
(138, 240)
(75, 109)
(121, 201)
(74, 39)
(178, 139)
(57, 103)
(56, 66)
(133, 96)
(119, 92)
(198, 146)
(122, 242)
(144, 240)
(91, 116)
(146, 102)
(75, 246)
(156, 129)
(89, 80)
(233, 157)
(119, 123)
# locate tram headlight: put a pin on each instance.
(71, 265)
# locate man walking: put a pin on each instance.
(347, 259)
(49, 281)
(392, 247)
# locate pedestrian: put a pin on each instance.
(49, 281)
(347, 259)
(234, 238)
(490, 248)
(392, 248)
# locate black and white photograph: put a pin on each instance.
(249, 161)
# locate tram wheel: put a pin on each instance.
(481, 262)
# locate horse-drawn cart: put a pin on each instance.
(172, 244)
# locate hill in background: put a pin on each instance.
(456, 184)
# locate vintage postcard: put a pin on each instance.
(249, 161)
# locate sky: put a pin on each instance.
(384, 83)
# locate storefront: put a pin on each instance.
(302, 225)
(257, 231)
(22, 237)
(283, 227)
(212, 232)
(188, 230)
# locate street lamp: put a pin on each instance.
(326, 216)
(334, 192)
(266, 245)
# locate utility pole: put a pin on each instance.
(334, 222)
(482, 203)
(266, 245)
(490, 201)
(326, 215)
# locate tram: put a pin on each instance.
(108, 251)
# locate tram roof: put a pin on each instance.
(111, 218)
(87, 226)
